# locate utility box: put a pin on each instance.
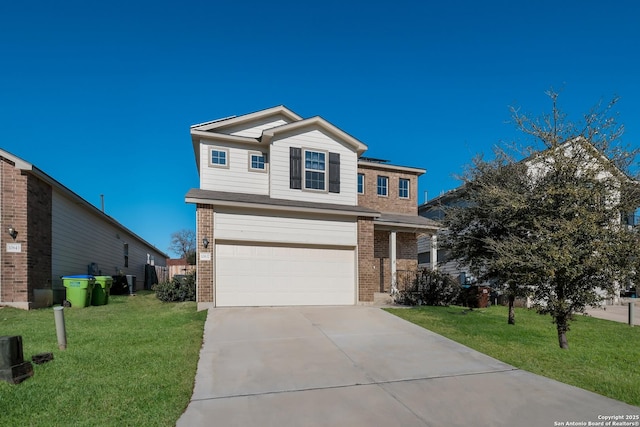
(483, 296)
(13, 368)
(131, 282)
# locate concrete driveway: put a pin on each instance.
(360, 366)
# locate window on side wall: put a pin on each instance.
(219, 157)
(314, 170)
(403, 188)
(257, 162)
(360, 183)
(383, 186)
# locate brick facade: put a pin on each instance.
(39, 236)
(25, 205)
(13, 276)
(406, 242)
(205, 277)
(390, 203)
(366, 261)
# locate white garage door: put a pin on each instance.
(254, 275)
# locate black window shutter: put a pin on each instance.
(295, 167)
(334, 172)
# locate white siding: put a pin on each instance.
(81, 237)
(313, 139)
(237, 177)
(256, 128)
(284, 229)
(424, 243)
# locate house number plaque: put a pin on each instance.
(14, 247)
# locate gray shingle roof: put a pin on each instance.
(407, 221)
(196, 195)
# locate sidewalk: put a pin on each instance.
(617, 313)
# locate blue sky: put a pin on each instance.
(100, 95)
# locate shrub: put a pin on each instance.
(180, 288)
(429, 287)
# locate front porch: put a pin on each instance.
(396, 248)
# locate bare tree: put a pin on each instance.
(183, 244)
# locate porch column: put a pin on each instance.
(392, 261)
(434, 252)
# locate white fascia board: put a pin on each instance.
(389, 167)
(318, 121)
(333, 212)
(19, 163)
(403, 226)
(196, 134)
(235, 120)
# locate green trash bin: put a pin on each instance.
(100, 295)
(79, 289)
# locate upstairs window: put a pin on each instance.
(383, 186)
(403, 188)
(314, 170)
(257, 162)
(219, 158)
(360, 183)
(310, 169)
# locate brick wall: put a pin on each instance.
(407, 252)
(39, 229)
(406, 257)
(204, 277)
(13, 274)
(366, 263)
(391, 203)
(25, 204)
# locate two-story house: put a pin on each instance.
(48, 231)
(580, 151)
(288, 213)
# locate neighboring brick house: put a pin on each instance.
(289, 213)
(47, 231)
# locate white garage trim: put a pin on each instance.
(252, 274)
(242, 225)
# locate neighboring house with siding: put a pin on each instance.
(289, 213)
(58, 234)
(431, 256)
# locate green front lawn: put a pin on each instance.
(603, 356)
(131, 362)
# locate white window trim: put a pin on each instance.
(258, 153)
(304, 170)
(408, 196)
(216, 165)
(363, 181)
(387, 186)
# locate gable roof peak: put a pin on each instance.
(279, 110)
(319, 122)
